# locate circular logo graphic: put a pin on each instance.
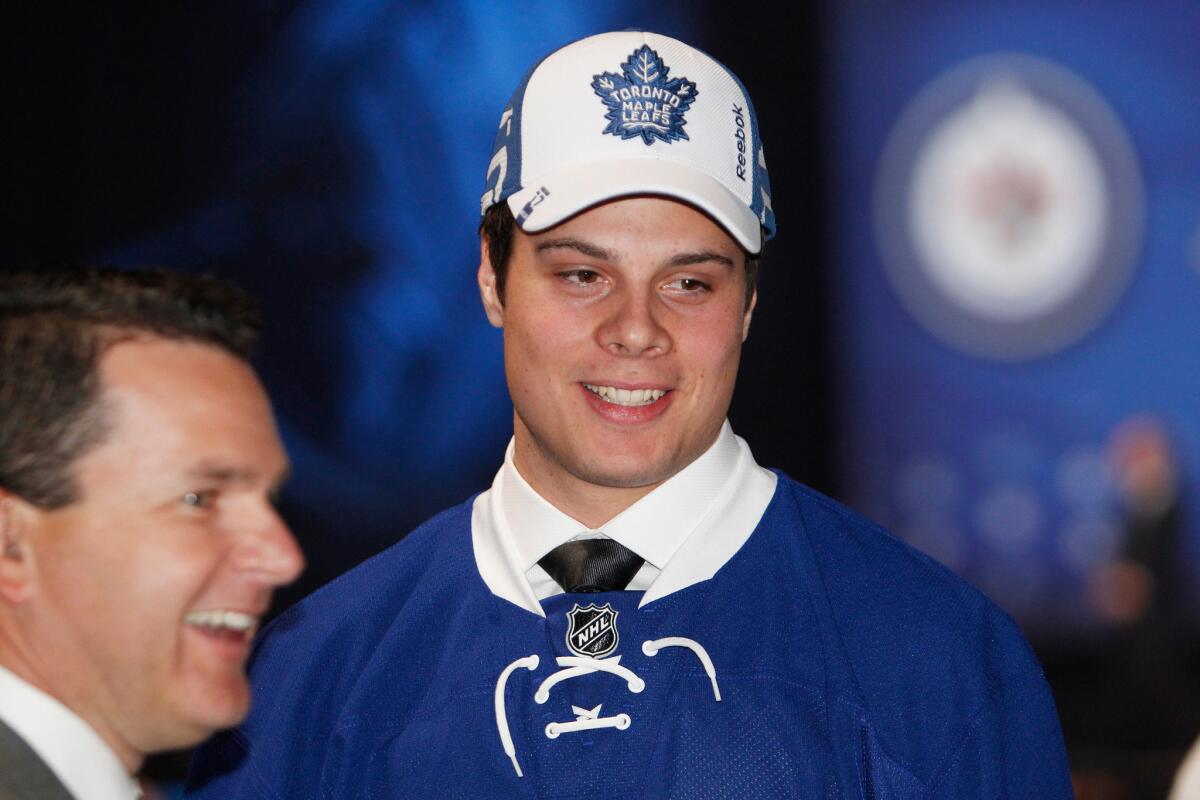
(1008, 207)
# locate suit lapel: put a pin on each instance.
(23, 775)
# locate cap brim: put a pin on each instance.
(568, 191)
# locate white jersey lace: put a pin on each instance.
(574, 667)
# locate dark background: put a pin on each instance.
(329, 157)
(199, 139)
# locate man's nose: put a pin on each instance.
(270, 552)
(634, 326)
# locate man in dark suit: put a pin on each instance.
(138, 541)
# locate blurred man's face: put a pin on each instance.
(148, 589)
(623, 328)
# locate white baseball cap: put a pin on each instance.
(626, 113)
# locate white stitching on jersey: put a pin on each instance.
(574, 667)
(529, 663)
(652, 648)
(588, 719)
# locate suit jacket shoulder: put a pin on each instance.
(23, 775)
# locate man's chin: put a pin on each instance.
(219, 707)
(625, 473)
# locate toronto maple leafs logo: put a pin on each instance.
(642, 101)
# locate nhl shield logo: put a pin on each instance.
(642, 101)
(593, 630)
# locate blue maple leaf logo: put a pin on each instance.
(644, 101)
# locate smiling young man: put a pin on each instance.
(623, 327)
(138, 542)
(635, 608)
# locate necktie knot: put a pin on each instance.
(591, 565)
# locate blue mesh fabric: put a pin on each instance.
(850, 666)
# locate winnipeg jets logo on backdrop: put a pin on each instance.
(642, 101)
(593, 630)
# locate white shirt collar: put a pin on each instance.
(686, 529)
(72, 750)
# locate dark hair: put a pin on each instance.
(55, 325)
(498, 227)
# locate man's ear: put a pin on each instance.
(748, 314)
(16, 552)
(492, 306)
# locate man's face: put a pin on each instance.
(623, 328)
(148, 589)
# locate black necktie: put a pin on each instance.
(592, 565)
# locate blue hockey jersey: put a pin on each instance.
(826, 659)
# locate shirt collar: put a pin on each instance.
(653, 527)
(72, 750)
(723, 490)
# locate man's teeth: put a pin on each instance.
(233, 620)
(626, 397)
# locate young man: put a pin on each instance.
(138, 542)
(636, 608)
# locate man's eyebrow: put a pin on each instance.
(222, 474)
(594, 251)
(699, 257)
(578, 245)
(218, 473)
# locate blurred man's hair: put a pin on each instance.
(55, 326)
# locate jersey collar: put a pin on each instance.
(685, 529)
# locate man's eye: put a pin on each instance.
(580, 276)
(201, 499)
(688, 285)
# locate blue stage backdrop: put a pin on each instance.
(1016, 293)
(330, 156)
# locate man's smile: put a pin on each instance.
(625, 397)
(224, 623)
(625, 406)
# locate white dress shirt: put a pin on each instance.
(685, 529)
(72, 750)
(1187, 779)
